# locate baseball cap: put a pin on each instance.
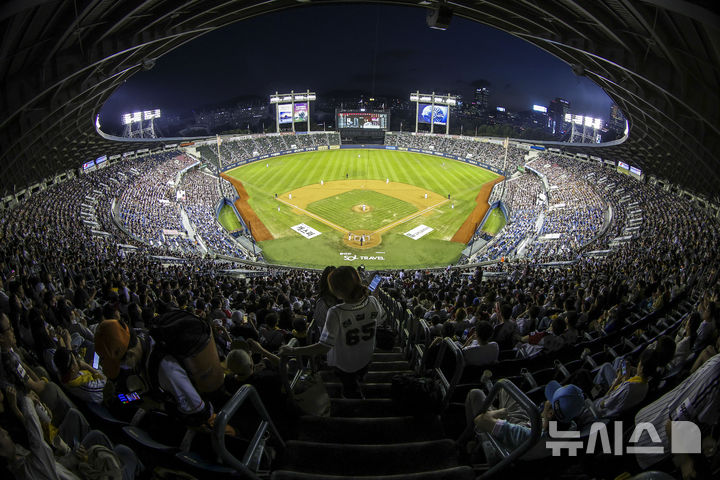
(567, 402)
(111, 342)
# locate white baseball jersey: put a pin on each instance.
(696, 399)
(350, 333)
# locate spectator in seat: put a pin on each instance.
(510, 425)
(79, 379)
(628, 390)
(696, 399)
(505, 329)
(478, 350)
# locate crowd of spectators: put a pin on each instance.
(200, 201)
(148, 205)
(491, 154)
(575, 210)
(65, 293)
(234, 150)
(524, 201)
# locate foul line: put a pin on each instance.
(409, 217)
(379, 230)
(316, 217)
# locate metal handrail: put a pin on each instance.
(282, 369)
(449, 347)
(218, 435)
(535, 424)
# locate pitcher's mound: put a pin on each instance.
(359, 208)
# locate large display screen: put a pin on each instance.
(362, 120)
(436, 114)
(285, 112)
(301, 112)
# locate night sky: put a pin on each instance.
(380, 50)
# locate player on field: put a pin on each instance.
(349, 334)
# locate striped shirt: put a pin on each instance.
(696, 399)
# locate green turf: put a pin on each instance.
(228, 219)
(338, 209)
(495, 222)
(442, 176)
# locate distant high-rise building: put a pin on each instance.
(617, 120)
(481, 98)
(557, 110)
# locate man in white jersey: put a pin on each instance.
(348, 337)
(696, 399)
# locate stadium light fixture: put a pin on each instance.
(578, 119)
(439, 18)
(598, 123)
(568, 118)
(589, 121)
(413, 98)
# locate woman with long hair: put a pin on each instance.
(325, 300)
(348, 337)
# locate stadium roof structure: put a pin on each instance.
(659, 60)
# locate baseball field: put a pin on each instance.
(379, 208)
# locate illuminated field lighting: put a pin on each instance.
(425, 99)
(451, 101)
(287, 98)
(577, 119)
(274, 99)
(568, 118)
(539, 108)
(598, 123)
(413, 98)
(150, 114)
(589, 121)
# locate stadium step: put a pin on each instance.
(369, 430)
(370, 438)
(376, 459)
(370, 390)
(453, 473)
(384, 366)
(370, 407)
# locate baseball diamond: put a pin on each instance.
(362, 201)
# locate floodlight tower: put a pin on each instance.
(584, 129)
(145, 122)
(292, 107)
(434, 104)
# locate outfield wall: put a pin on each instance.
(363, 147)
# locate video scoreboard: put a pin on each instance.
(359, 119)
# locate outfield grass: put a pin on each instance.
(228, 219)
(495, 222)
(338, 209)
(264, 179)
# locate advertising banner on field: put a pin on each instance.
(306, 231)
(418, 232)
(301, 112)
(285, 112)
